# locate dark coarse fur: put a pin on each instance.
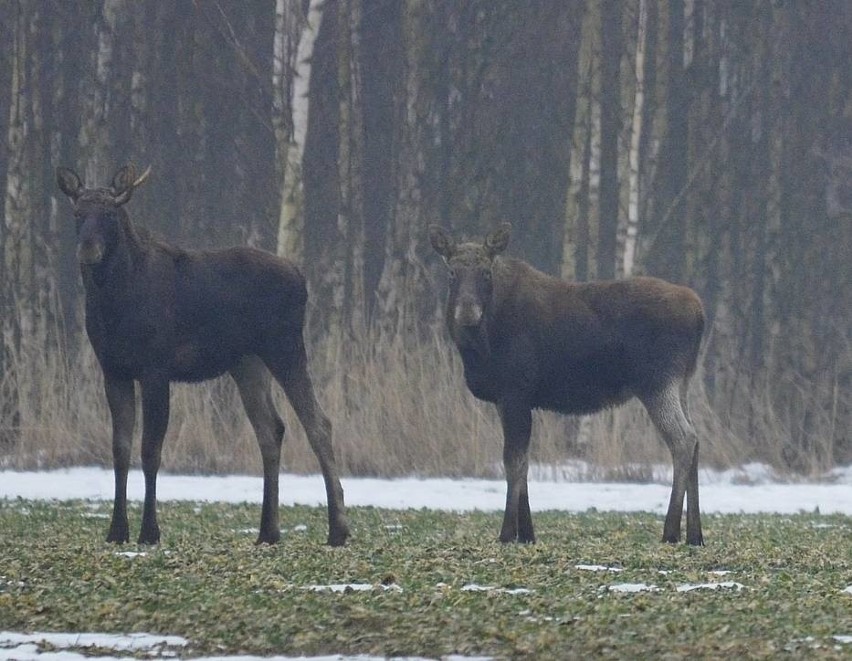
(528, 340)
(157, 314)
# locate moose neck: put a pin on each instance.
(111, 278)
(473, 342)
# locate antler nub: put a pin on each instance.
(141, 178)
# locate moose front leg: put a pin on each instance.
(155, 419)
(121, 397)
(517, 426)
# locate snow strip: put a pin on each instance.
(689, 587)
(441, 494)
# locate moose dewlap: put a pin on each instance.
(528, 340)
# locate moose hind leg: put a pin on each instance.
(694, 536)
(121, 397)
(666, 412)
(253, 382)
(291, 371)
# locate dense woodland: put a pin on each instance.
(705, 141)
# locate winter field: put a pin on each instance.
(423, 576)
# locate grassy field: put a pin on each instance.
(428, 583)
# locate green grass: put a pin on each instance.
(209, 583)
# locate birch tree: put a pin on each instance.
(610, 128)
(290, 241)
(632, 228)
(580, 236)
(18, 323)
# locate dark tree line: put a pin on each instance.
(706, 141)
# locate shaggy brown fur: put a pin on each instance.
(528, 340)
(156, 314)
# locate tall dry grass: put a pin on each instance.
(398, 408)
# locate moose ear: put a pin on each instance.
(498, 240)
(441, 241)
(125, 181)
(69, 183)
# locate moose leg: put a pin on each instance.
(121, 397)
(517, 426)
(694, 535)
(666, 412)
(292, 374)
(155, 419)
(253, 381)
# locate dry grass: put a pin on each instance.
(398, 409)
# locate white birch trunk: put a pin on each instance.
(17, 258)
(632, 230)
(95, 138)
(291, 219)
(18, 319)
(583, 120)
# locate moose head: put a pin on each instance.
(98, 211)
(471, 273)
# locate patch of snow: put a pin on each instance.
(720, 572)
(630, 587)
(689, 587)
(843, 640)
(300, 528)
(719, 495)
(847, 589)
(131, 554)
(597, 568)
(352, 587)
(473, 587)
(132, 642)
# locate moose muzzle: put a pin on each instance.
(467, 313)
(90, 252)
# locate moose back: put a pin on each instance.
(157, 314)
(528, 340)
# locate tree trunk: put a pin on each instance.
(400, 282)
(578, 247)
(291, 220)
(347, 317)
(97, 142)
(632, 229)
(610, 128)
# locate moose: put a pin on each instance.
(529, 340)
(157, 314)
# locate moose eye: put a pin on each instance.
(452, 274)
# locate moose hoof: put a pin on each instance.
(338, 536)
(268, 538)
(151, 538)
(118, 534)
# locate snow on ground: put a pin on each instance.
(731, 492)
(748, 490)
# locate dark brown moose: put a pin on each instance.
(528, 340)
(157, 314)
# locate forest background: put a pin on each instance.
(708, 142)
